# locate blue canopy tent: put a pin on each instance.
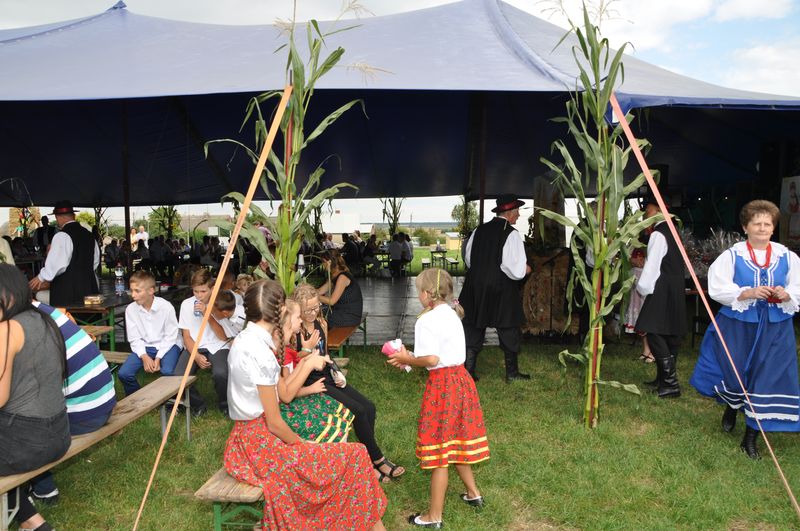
(456, 95)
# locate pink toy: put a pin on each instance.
(390, 347)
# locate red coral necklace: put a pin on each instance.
(753, 255)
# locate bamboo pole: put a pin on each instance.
(262, 160)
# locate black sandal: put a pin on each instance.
(416, 520)
(391, 476)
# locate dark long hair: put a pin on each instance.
(15, 298)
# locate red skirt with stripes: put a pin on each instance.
(450, 427)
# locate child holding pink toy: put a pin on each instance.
(450, 429)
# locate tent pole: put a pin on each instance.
(482, 158)
(126, 185)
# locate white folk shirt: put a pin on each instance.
(251, 363)
(157, 327)
(439, 332)
(514, 260)
(191, 322)
(60, 255)
(656, 251)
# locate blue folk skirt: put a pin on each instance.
(765, 356)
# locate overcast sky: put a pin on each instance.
(744, 44)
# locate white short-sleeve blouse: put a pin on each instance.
(251, 362)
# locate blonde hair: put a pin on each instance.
(281, 340)
(242, 282)
(304, 293)
(439, 285)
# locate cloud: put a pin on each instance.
(747, 9)
(770, 68)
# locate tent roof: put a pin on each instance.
(467, 45)
(74, 93)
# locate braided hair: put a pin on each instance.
(439, 285)
(264, 301)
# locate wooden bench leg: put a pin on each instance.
(7, 514)
(186, 403)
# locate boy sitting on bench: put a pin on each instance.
(152, 331)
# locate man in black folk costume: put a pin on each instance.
(663, 313)
(495, 256)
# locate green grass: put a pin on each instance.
(651, 464)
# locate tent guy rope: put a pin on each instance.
(654, 189)
(262, 160)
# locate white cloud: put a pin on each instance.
(747, 9)
(768, 68)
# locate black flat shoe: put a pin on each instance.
(415, 520)
(728, 419)
(475, 502)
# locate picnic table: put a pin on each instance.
(437, 255)
(32, 263)
(383, 258)
(103, 313)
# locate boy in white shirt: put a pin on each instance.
(213, 349)
(152, 331)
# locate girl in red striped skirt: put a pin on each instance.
(450, 429)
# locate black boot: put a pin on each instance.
(471, 363)
(729, 419)
(653, 384)
(512, 368)
(668, 386)
(748, 445)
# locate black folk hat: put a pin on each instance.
(507, 202)
(63, 207)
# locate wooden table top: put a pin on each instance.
(97, 330)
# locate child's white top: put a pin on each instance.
(156, 328)
(191, 322)
(251, 363)
(238, 298)
(235, 323)
(439, 332)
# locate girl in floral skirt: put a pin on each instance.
(310, 413)
(450, 428)
(306, 486)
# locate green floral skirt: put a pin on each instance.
(318, 418)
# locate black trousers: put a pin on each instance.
(219, 373)
(664, 346)
(365, 414)
(510, 338)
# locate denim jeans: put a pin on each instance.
(127, 373)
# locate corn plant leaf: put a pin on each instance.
(631, 388)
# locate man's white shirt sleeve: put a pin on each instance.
(656, 251)
(58, 258)
(514, 260)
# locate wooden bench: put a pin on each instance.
(115, 358)
(426, 262)
(126, 411)
(339, 337)
(452, 263)
(230, 498)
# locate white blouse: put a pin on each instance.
(251, 363)
(439, 332)
(722, 288)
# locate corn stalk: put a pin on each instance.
(280, 174)
(391, 212)
(599, 231)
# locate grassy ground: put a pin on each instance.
(651, 464)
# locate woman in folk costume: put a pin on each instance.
(450, 429)
(306, 486)
(758, 284)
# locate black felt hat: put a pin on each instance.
(63, 207)
(507, 202)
